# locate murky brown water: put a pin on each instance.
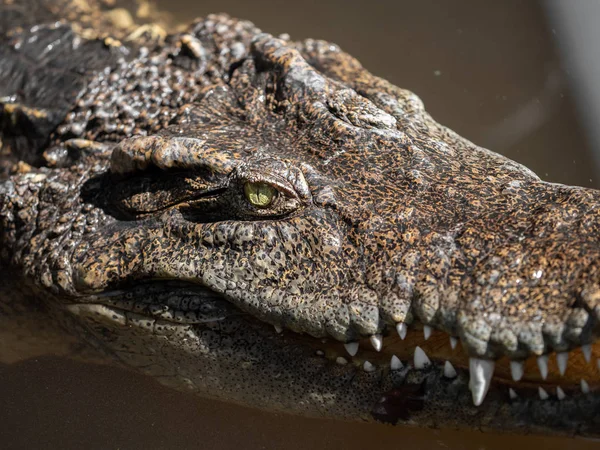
(487, 69)
(58, 404)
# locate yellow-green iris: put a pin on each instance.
(260, 195)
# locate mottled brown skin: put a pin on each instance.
(126, 235)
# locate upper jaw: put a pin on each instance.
(507, 282)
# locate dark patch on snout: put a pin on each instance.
(399, 404)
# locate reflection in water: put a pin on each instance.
(60, 404)
(487, 69)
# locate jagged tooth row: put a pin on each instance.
(544, 395)
(402, 330)
(481, 370)
(420, 361)
(377, 339)
(562, 358)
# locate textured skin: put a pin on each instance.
(125, 226)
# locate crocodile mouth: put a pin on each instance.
(548, 377)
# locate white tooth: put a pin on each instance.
(516, 370)
(512, 394)
(402, 329)
(368, 367)
(543, 394)
(587, 352)
(481, 371)
(351, 348)
(395, 363)
(561, 359)
(320, 352)
(560, 393)
(278, 328)
(453, 342)
(542, 363)
(420, 358)
(585, 387)
(449, 371)
(376, 342)
(427, 331)
(341, 360)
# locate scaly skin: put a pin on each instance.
(128, 233)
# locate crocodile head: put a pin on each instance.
(305, 238)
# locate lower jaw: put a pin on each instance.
(420, 397)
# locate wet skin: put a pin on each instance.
(265, 222)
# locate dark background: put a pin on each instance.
(488, 69)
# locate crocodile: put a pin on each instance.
(263, 221)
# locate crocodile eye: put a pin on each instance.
(259, 194)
